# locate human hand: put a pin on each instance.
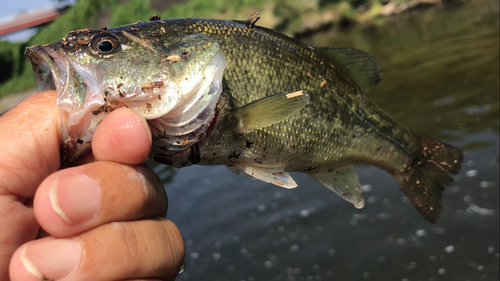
(101, 220)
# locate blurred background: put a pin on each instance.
(440, 61)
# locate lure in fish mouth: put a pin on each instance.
(174, 84)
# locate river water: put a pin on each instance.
(441, 78)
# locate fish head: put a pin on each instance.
(97, 71)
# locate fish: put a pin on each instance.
(232, 93)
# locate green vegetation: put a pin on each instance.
(123, 14)
(290, 17)
(16, 72)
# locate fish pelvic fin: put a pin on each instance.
(424, 179)
(269, 110)
(276, 176)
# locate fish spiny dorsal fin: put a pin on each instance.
(358, 65)
(269, 110)
(344, 182)
(250, 22)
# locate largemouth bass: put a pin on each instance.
(236, 94)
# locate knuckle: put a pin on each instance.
(136, 249)
(175, 240)
(155, 193)
(127, 233)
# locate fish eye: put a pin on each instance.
(105, 44)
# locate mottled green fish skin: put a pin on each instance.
(338, 126)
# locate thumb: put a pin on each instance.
(29, 152)
(30, 137)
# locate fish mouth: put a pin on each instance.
(75, 85)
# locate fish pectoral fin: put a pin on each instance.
(358, 65)
(344, 182)
(269, 110)
(275, 176)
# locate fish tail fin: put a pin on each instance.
(424, 179)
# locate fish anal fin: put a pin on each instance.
(269, 110)
(271, 175)
(358, 65)
(344, 182)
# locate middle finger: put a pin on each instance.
(77, 199)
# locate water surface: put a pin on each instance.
(441, 69)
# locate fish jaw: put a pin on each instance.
(77, 94)
(44, 68)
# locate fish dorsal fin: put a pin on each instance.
(269, 110)
(344, 182)
(358, 65)
(271, 175)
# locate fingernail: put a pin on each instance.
(146, 127)
(51, 259)
(75, 198)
